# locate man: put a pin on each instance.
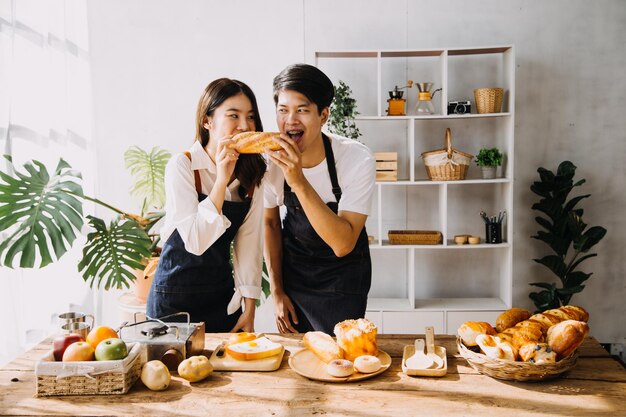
(318, 259)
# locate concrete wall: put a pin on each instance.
(151, 60)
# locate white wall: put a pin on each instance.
(151, 60)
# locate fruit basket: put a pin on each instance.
(515, 370)
(89, 378)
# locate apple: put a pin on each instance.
(111, 349)
(61, 342)
(78, 352)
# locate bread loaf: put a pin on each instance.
(323, 346)
(529, 336)
(356, 338)
(470, 329)
(510, 318)
(254, 349)
(565, 337)
(255, 142)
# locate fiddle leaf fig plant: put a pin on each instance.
(565, 232)
(342, 113)
(43, 213)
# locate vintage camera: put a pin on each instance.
(459, 107)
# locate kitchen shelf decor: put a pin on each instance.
(445, 284)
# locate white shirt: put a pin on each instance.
(356, 174)
(200, 225)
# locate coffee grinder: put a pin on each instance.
(395, 102)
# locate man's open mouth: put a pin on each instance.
(295, 135)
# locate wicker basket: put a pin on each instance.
(414, 237)
(513, 370)
(488, 100)
(88, 378)
(447, 164)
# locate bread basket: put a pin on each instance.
(514, 370)
(447, 164)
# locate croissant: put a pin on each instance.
(510, 318)
(255, 142)
(494, 347)
(537, 353)
(470, 329)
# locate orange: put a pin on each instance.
(100, 333)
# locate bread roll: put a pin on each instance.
(510, 318)
(323, 346)
(537, 353)
(357, 338)
(470, 329)
(255, 142)
(565, 337)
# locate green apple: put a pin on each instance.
(111, 350)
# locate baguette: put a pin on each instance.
(255, 142)
(323, 346)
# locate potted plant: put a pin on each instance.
(562, 229)
(489, 159)
(342, 113)
(43, 214)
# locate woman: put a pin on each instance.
(213, 199)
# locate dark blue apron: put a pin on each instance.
(324, 288)
(200, 285)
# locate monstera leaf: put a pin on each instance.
(110, 252)
(39, 211)
(149, 172)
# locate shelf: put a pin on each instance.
(435, 116)
(436, 304)
(450, 245)
(429, 182)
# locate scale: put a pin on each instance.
(169, 342)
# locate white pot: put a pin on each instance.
(488, 172)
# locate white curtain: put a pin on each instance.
(45, 113)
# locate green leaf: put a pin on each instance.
(149, 172)
(111, 253)
(579, 260)
(572, 203)
(592, 236)
(574, 279)
(40, 210)
(555, 264)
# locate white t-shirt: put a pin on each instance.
(200, 225)
(356, 174)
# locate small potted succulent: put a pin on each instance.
(488, 159)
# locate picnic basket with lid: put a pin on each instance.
(447, 164)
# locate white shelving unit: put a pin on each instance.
(440, 285)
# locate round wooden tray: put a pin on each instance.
(310, 366)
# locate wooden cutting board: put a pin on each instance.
(225, 362)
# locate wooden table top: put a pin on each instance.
(596, 386)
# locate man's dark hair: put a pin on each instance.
(307, 80)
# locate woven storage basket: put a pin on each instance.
(488, 100)
(447, 164)
(414, 237)
(88, 378)
(514, 370)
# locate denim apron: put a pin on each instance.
(323, 288)
(200, 285)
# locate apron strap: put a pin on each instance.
(332, 169)
(196, 175)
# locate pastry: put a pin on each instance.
(255, 142)
(537, 353)
(494, 347)
(367, 364)
(356, 338)
(340, 368)
(470, 329)
(565, 337)
(323, 346)
(510, 318)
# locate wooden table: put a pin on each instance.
(596, 386)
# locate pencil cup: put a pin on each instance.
(493, 233)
